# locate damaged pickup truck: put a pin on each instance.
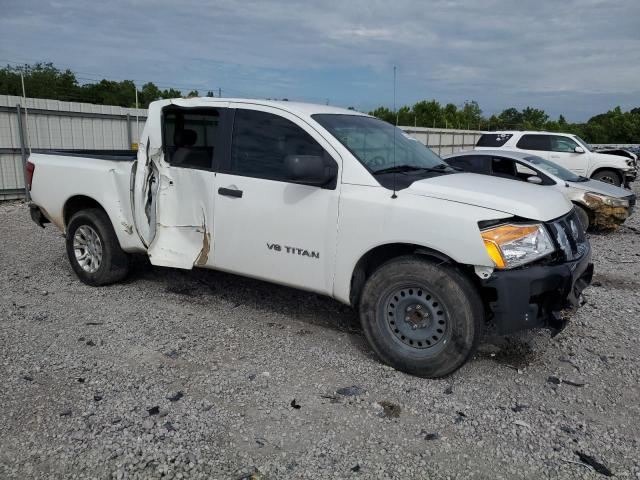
(330, 201)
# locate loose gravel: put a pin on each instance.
(200, 374)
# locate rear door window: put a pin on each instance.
(471, 163)
(493, 139)
(535, 142)
(191, 136)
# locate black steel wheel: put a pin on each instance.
(420, 317)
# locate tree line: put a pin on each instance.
(614, 126)
(44, 80)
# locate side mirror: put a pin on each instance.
(535, 180)
(578, 149)
(313, 170)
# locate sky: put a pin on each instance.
(577, 58)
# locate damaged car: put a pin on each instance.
(599, 205)
(330, 201)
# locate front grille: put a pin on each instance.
(569, 236)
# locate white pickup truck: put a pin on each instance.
(326, 200)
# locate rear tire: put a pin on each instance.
(583, 215)
(93, 249)
(421, 318)
(608, 176)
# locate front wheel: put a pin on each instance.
(93, 249)
(608, 176)
(421, 318)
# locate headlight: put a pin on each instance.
(513, 245)
(595, 199)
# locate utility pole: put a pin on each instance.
(219, 92)
(26, 110)
(137, 119)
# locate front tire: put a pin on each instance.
(93, 249)
(421, 318)
(608, 176)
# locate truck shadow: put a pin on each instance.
(204, 286)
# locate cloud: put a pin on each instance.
(574, 57)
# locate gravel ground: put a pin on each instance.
(200, 374)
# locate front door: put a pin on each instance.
(563, 153)
(174, 203)
(274, 229)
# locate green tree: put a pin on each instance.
(534, 119)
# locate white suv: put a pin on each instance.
(567, 150)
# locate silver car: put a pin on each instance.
(600, 205)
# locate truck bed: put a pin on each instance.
(65, 178)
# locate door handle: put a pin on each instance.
(230, 192)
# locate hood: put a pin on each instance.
(521, 199)
(603, 188)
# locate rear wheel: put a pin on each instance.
(583, 215)
(608, 176)
(421, 318)
(93, 249)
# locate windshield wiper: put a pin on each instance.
(412, 168)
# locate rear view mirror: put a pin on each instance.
(578, 150)
(313, 170)
(535, 180)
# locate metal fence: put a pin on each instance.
(39, 125)
(35, 124)
(443, 141)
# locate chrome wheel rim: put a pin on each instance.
(417, 318)
(87, 248)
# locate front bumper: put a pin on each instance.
(537, 295)
(629, 177)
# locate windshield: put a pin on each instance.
(554, 169)
(379, 146)
(584, 144)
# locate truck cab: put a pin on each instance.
(330, 201)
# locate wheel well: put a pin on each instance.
(76, 204)
(375, 257)
(617, 172)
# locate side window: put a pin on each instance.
(563, 144)
(504, 167)
(190, 136)
(534, 142)
(471, 163)
(493, 139)
(524, 171)
(262, 141)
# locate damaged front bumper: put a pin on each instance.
(609, 216)
(537, 295)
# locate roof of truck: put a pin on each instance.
(293, 107)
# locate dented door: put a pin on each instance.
(173, 191)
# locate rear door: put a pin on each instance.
(268, 227)
(563, 153)
(175, 185)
